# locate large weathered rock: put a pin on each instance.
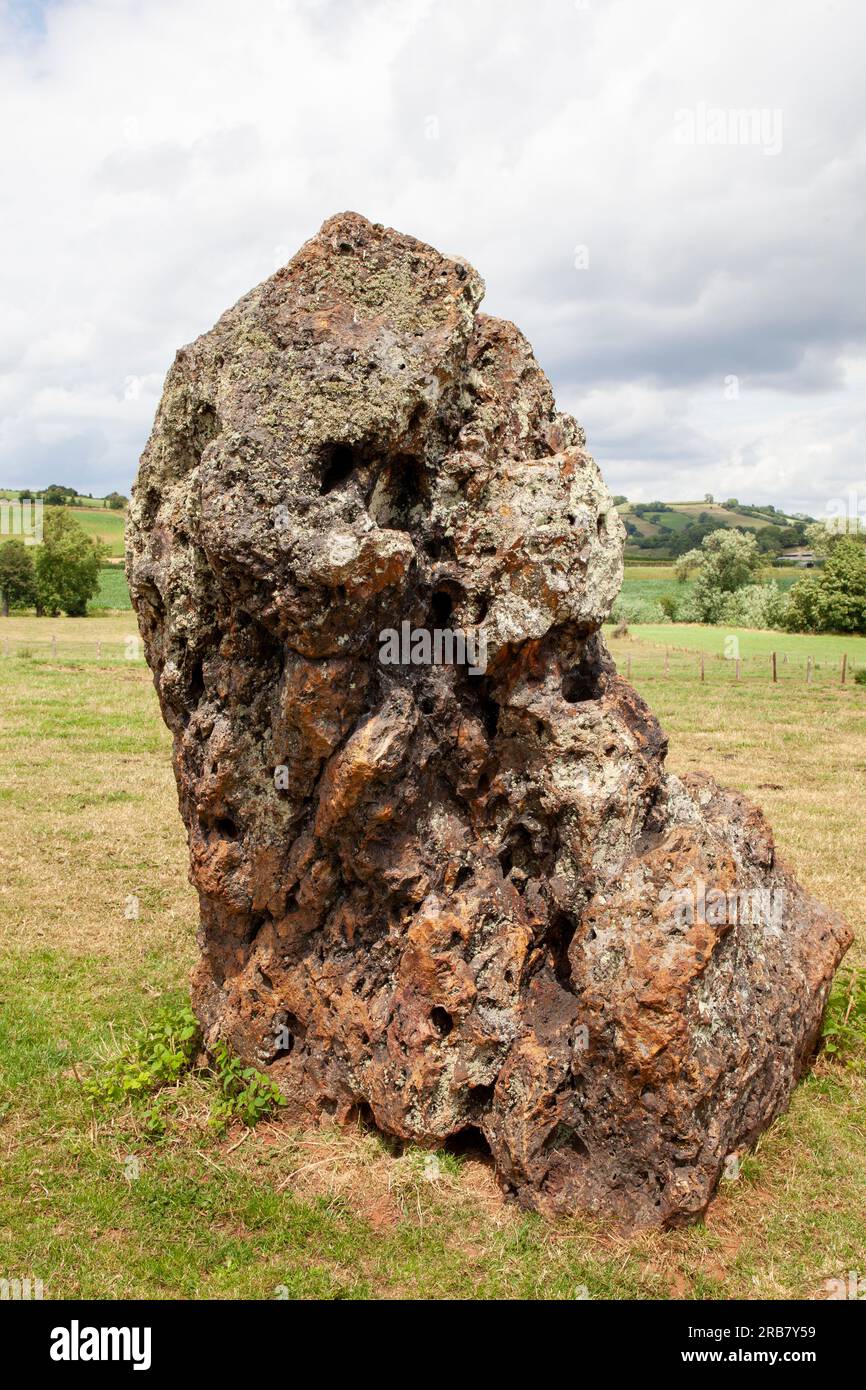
(447, 901)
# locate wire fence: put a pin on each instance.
(85, 650)
(654, 662)
(774, 668)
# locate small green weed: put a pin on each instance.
(845, 1024)
(155, 1056)
(245, 1094)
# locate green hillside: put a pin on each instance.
(664, 530)
(94, 514)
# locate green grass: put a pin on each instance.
(104, 525)
(145, 1198)
(113, 592)
(755, 644)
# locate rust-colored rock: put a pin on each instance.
(447, 900)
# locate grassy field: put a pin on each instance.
(98, 925)
(112, 592)
(104, 525)
(654, 582)
(650, 582)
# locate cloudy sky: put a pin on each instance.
(668, 198)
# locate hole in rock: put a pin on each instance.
(339, 463)
(226, 827)
(481, 1096)
(361, 1114)
(489, 714)
(196, 681)
(405, 486)
(464, 873)
(583, 682)
(434, 547)
(441, 1020)
(441, 608)
(469, 1142)
(517, 851)
(560, 934)
(564, 1137)
(288, 1029)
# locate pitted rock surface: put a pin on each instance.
(447, 902)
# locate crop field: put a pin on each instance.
(97, 930)
(112, 592)
(104, 525)
(654, 582)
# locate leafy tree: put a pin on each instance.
(835, 599)
(56, 496)
(67, 567)
(823, 539)
(17, 576)
(116, 501)
(726, 561)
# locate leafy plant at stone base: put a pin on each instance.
(155, 1056)
(835, 599)
(845, 1022)
(247, 1094)
(67, 566)
(860, 677)
(17, 576)
(158, 1055)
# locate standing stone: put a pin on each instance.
(447, 901)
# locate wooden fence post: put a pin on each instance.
(809, 671)
(775, 674)
(844, 666)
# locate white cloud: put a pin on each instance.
(166, 157)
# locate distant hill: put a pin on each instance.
(666, 530)
(97, 515)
